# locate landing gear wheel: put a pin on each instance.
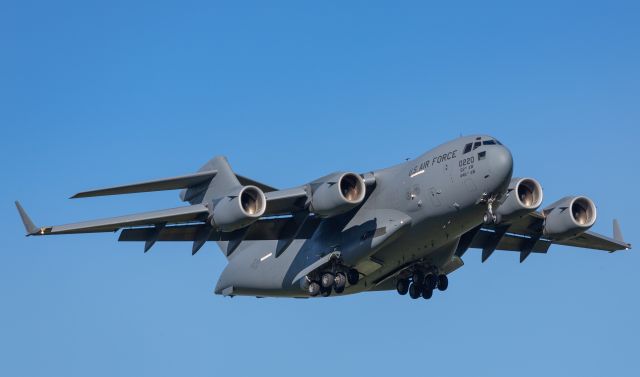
(326, 292)
(353, 276)
(417, 277)
(402, 285)
(443, 283)
(327, 280)
(304, 283)
(338, 290)
(414, 291)
(427, 293)
(313, 289)
(339, 281)
(431, 281)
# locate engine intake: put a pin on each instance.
(337, 194)
(525, 196)
(569, 217)
(239, 209)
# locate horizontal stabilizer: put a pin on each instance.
(173, 183)
(197, 212)
(251, 182)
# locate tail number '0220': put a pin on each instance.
(466, 161)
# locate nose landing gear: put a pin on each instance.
(490, 217)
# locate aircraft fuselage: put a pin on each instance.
(416, 214)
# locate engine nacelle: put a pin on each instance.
(525, 196)
(337, 194)
(238, 210)
(569, 217)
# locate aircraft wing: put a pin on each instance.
(286, 201)
(286, 215)
(186, 214)
(278, 203)
(526, 236)
(264, 229)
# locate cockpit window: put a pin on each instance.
(467, 148)
(498, 141)
(489, 142)
(477, 144)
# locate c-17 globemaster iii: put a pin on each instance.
(403, 228)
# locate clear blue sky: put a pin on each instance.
(94, 95)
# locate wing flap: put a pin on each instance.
(509, 242)
(266, 229)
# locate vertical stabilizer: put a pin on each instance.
(224, 181)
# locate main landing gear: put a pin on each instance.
(333, 280)
(421, 284)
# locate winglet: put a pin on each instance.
(617, 233)
(28, 224)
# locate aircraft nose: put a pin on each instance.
(502, 162)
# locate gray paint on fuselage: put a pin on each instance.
(441, 201)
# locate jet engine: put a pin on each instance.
(239, 209)
(337, 194)
(525, 196)
(569, 217)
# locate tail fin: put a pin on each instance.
(224, 181)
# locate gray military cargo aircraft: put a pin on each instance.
(405, 227)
